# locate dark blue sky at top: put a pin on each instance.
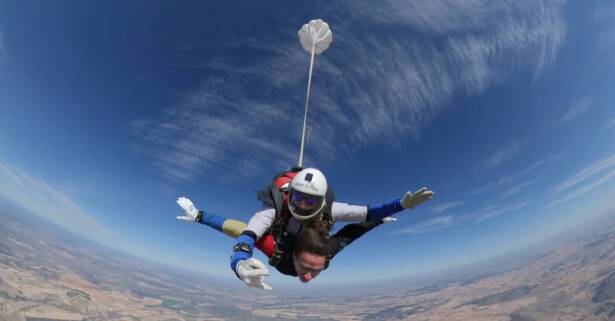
(97, 99)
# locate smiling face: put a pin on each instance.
(309, 265)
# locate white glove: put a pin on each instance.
(389, 220)
(411, 200)
(192, 214)
(253, 272)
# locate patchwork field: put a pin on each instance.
(45, 277)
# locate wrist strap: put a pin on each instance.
(243, 247)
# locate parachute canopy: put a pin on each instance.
(315, 36)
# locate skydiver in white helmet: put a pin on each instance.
(293, 229)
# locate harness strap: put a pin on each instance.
(277, 230)
(279, 222)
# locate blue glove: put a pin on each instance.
(242, 250)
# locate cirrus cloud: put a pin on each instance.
(393, 66)
(40, 197)
(3, 52)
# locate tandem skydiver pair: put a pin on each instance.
(293, 228)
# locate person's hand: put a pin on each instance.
(253, 272)
(191, 213)
(410, 200)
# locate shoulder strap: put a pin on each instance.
(327, 217)
(273, 196)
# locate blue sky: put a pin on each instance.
(110, 111)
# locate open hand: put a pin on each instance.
(410, 200)
(191, 213)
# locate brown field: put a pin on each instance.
(43, 277)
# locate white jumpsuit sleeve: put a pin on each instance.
(342, 212)
(261, 221)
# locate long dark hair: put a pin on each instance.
(314, 241)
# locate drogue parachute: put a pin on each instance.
(315, 37)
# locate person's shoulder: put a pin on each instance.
(340, 204)
(265, 210)
(348, 212)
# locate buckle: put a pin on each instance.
(275, 259)
(243, 247)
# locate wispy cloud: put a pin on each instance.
(604, 14)
(610, 125)
(492, 33)
(510, 178)
(518, 188)
(585, 174)
(577, 108)
(585, 189)
(430, 225)
(3, 52)
(43, 199)
(371, 86)
(502, 155)
(585, 180)
(497, 211)
(606, 40)
(540, 163)
(489, 186)
(441, 208)
(218, 128)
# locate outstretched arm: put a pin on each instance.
(227, 226)
(342, 212)
(409, 200)
(250, 270)
(372, 216)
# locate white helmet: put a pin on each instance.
(306, 196)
